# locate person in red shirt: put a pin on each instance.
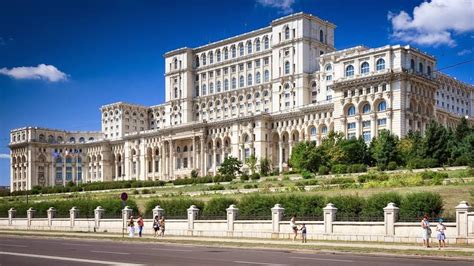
(140, 225)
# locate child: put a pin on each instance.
(441, 236)
(303, 233)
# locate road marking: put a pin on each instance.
(169, 249)
(12, 245)
(110, 252)
(335, 260)
(257, 263)
(67, 259)
(72, 244)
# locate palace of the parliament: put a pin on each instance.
(258, 93)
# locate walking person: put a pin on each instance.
(303, 233)
(425, 225)
(294, 227)
(156, 225)
(140, 224)
(162, 226)
(131, 227)
(441, 236)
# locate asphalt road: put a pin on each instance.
(47, 251)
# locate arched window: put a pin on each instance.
(50, 139)
(197, 61)
(218, 55)
(428, 70)
(218, 86)
(203, 59)
(211, 87)
(72, 139)
(328, 67)
(176, 92)
(226, 84)
(226, 54)
(382, 106)
(249, 80)
(351, 111)
(175, 62)
(366, 108)
(287, 68)
(81, 140)
(321, 36)
(59, 139)
(257, 45)
(420, 67)
(241, 49)
(364, 68)
(233, 51)
(241, 81)
(234, 83)
(42, 138)
(211, 57)
(249, 47)
(380, 64)
(204, 89)
(313, 131)
(266, 43)
(287, 33)
(412, 65)
(59, 159)
(349, 71)
(185, 149)
(324, 129)
(266, 76)
(257, 78)
(178, 149)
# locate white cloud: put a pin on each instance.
(42, 71)
(4, 156)
(465, 52)
(434, 23)
(285, 6)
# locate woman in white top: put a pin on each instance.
(441, 236)
(294, 227)
(425, 225)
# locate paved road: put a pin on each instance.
(46, 251)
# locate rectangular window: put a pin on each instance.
(351, 125)
(366, 136)
(329, 77)
(247, 153)
(351, 135)
(366, 124)
(185, 162)
(382, 121)
(68, 173)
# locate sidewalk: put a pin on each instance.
(355, 247)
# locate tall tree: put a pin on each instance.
(251, 162)
(436, 143)
(384, 148)
(230, 167)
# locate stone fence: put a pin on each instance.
(388, 230)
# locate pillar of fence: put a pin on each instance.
(232, 212)
(461, 221)
(73, 214)
(192, 216)
(98, 214)
(51, 212)
(126, 213)
(329, 217)
(390, 218)
(30, 214)
(11, 215)
(158, 211)
(277, 216)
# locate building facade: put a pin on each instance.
(259, 94)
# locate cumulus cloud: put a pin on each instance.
(465, 52)
(42, 71)
(4, 156)
(285, 6)
(433, 23)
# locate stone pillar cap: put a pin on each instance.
(74, 208)
(330, 206)
(158, 207)
(99, 208)
(391, 206)
(51, 209)
(277, 207)
(193, 207)
(232, 207)
(127, 208)
(30, 209)
(463, 205)
(12, 209)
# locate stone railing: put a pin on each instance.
(327, 228)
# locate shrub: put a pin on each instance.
(257, 205)
(249, 186)
(433, 175)
(392, 166)
(244, 177)
(357, 168)
(417, 163)
(339, 169)
(275, 172)
(216, 187)
(323, 170)
(347, 206)
(374, 204)
(255, 176)
(217, 206)
(176, 207)
(338, 180)
(194, 174)
(306, 174)
(421, 203)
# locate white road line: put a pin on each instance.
(335, 260)
(12, 245)
(257, 263)
(170, 249)
(68, 259)
(110, 252)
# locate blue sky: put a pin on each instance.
(61, 60)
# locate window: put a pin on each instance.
(328, 67)
(226, 54)
(321, 36)
(420, 67)
(249, 80)
(412, 64)
(351, 126)
(287, 68)
(364, 68)
(249, 47)
(218, 87)
(382, 121)
(241, 49)
(324, 129)
(266, 43)
(203, 59)
(266, 76)
(428, 70)
(204, 89)
(351, 135)
(366, 124)
(287, 33)
(349, 71)
(382, 106)
(233, 51)
(176, 92)
(211, 87)
(211, 57)
(313, 131)
(218, 55)
(241, 81)
(226, 84)
(366, 136)
(234, 83)
(257, 78)
(329, 77)
(257, 45)
(351, 111)
(380, 64)
(366, 108)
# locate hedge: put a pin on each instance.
(176, 207)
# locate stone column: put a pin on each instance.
(158, 211)
(390, 218)
(373, 125)
(98, 213)
(30, 214)
(280, 157)
(290, 148)
(277, 216)
(214, 159)
(232, 212)
(73, 214)
(192, 216)
(51, 214)
(329, 217)
(461, 219)
(201, 158)
(11, 215)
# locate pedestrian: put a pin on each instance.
(156, 225)
(425, 225)
(140, 224)
(131, 227)
(294, 227)
(441, 236)
(303, 233)
(162, 226)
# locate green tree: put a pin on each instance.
(265, 166)
(384, 148)
(436, 143)
(230, 167)
(251, 162)
(410, 147)
(462, 130)
(305, 156)
(353, 151)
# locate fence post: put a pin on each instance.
(158, 211)
(126, 214)
(98, 213)
(329, 217)
(30, 213)
(73, 213)
(51, 214)
(232, 212)
(192, 215)
(277, 216)
(461, 221)
(11, 215)
(390, 218)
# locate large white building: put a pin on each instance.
(256, 93)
